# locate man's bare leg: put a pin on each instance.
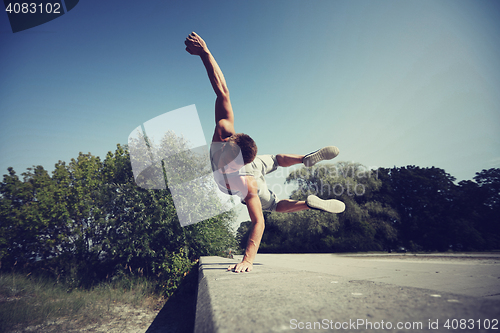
(290, 206)
(286, 160)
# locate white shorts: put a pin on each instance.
(261, 166)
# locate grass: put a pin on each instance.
(27, 301)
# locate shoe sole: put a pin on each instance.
(326, 153)
(331, 206)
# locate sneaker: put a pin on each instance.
(331, 206)
(326, 153)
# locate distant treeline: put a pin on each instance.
(418, 209)
(88, 222)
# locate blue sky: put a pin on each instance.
(391, 83)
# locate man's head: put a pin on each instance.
(238, 150)
(245, 143)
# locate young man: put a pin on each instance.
(237, 169)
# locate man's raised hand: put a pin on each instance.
(195, 44)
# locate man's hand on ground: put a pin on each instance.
(242, 267)
(195, 44)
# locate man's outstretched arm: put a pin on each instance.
(254, 207)
(224, 118)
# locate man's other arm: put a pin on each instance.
(257, 229)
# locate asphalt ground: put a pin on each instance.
(351, 293)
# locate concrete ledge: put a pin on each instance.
(329, 292)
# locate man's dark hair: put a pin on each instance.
(246, 144)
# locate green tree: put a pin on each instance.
(18, 236)
(424, 199)
(488, 209)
